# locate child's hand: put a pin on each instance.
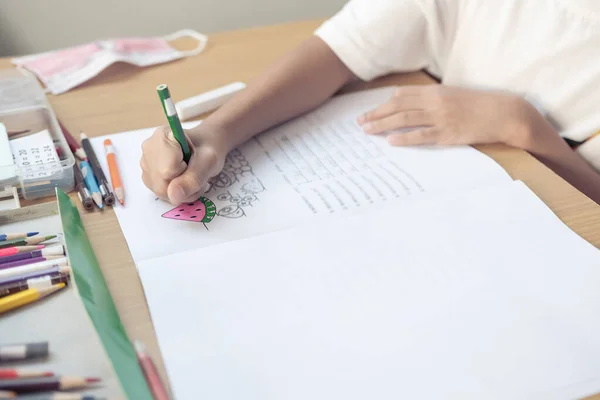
(448, 116)
(168, 176)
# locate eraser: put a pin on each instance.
(194, 106)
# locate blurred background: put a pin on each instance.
(32, 26)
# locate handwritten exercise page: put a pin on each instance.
(314, 167)
(483, 295)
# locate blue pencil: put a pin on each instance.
(11, 236)
(91, 183)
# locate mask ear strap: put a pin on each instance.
(202, 40)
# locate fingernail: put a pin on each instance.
(368, 127)
(179, 194)
(394, 140)
(205, 188)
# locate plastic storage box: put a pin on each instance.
(24, 107)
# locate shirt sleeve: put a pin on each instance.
(377, 37)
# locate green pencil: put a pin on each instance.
(174, 122)
(25, 242)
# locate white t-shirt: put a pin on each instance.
(545, 50)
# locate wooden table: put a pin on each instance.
(124, 98)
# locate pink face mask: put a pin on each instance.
(63, 70)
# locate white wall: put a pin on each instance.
(29, 26)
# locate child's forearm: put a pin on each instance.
(542, 141)
(297, 83)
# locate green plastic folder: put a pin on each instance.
(99, 303)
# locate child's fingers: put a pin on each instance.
(162, 155)
(193, 181)
(422, 136)
(152, 181)
(404, 119)
(382, 111)
(394, 105)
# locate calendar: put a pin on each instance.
(36, 156)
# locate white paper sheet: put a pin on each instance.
(36, 155)
(314, 167)
(474, 295)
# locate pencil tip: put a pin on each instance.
(92, 380)
(122, 202)
(79, 153)
(48, 374)
(40, 246)
(139, 346)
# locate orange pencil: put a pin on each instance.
(115, 178)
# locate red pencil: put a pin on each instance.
(73, 145)
(10, 251)
(20, 373)
(152, 377)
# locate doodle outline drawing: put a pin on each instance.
(236, 170)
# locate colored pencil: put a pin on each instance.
(149, 370)
(113, 169)
(25, 297)
(26, 242)
(107, 196)
(27, 262)
(91, 183)
(25, 269)
(5, 394)
(174, 122)
(11, 236)
(50, 383)
(22, 373)
(73, 145)
(58, 250)
(82, 191)
(51, 272)
(60, 153)
(11, 251)
(58, 396)
(42, 281)
(25, 351)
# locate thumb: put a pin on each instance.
(190, 185)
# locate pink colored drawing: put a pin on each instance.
(202, 210)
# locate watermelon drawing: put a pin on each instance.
(202, 210)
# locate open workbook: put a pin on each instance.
(315, 167)
(324, 263)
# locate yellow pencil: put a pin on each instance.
(26, 297)
(5, 394)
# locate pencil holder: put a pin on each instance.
(41, 161)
